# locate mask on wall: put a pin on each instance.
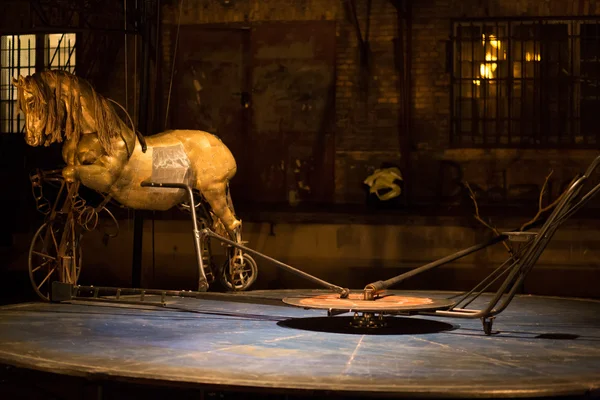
(383, 184)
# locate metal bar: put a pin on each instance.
(382, 285)
(490, 279)
(342, 291)
(524, 265)
(18, 56)
(509, 83)
(597, 81)
(498, 86)
(135, 291)
(542, 81)
(493, 276)
(198, 236)
(458, 108)
(208, 233)
(138, 217)
(202, 281)
(56, 50)
(473, 97)
(525, 18)
(121, 301)
(486, 90)
(524, 97)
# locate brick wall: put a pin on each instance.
(431, 104)
(367, 104)
(366, 109)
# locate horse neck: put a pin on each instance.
(89, 101)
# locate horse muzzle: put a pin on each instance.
(33, 140)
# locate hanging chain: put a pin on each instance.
(86, 215)
(41, 203)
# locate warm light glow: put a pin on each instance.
(477, 82)
(531, 57)
(492, 40)
(486, 70)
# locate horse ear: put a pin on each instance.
(20, 82)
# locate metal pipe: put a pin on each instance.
(202, 281)
(382, 285)
(138, 217)
(344, 292)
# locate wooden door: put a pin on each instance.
(293, 108)
(209, 88)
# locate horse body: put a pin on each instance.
(211, 166)
(102, 152)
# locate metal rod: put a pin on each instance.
(97, 290)
(202, 281)
(382, 285)
(525, 264)
(344, 292)
(208, 233)
(138, 216)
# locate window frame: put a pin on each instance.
(43, 57)
(505, 136)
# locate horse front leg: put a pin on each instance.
(69, 173)
(96, 177)
(69, 150)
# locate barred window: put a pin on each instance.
(526, 83)
(19, 56)
(59, 50)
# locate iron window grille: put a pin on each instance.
(20, 55)
(526, 83)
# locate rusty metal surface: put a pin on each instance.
(355, 302)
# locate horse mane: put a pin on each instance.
(48, 106)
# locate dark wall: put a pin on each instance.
(311, 104)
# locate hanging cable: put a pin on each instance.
(173, 65)
(126, 54)
(135, 92)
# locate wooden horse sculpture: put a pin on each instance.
(101, 151)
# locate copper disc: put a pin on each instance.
(355, 302)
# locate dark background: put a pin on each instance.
(313, 96)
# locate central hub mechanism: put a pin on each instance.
(368, 320)
(380, 304)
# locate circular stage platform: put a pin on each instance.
(253, 344)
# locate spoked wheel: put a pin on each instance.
(54, 255)
(239, 273)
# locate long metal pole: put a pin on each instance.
(382, 285)
(344, 292)
(138, 217)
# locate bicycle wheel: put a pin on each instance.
(239, 274)
(49, 261)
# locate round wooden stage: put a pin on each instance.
(252, 343)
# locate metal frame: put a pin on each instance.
(200, 236)
(513, 270)
(516, 267)
(71, 217)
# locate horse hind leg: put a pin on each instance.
(216, 195)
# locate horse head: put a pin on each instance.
(44, 114)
